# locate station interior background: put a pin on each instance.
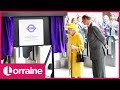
(112, 65)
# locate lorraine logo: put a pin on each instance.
(7, 70)
(31, 28)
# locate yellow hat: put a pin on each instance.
(72, 25)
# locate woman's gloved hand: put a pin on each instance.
(74, 47)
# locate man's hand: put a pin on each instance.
(106, 46)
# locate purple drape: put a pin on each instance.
(7, 36)
(58, 34)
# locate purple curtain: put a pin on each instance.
(58, 34)
(7, 36)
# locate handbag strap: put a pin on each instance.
(80, 51)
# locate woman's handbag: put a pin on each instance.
(80, 57)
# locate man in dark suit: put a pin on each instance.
(97, 45)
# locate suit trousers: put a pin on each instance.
(98, 67)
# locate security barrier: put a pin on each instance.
(112, 57)
(87, 61)
(17, 57)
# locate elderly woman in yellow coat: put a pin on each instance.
(75, 43)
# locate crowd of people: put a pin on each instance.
(108, 25)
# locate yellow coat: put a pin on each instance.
(77, 67)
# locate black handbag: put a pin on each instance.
(80, 57)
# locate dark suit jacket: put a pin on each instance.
(96, 42)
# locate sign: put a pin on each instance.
(31, 32)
